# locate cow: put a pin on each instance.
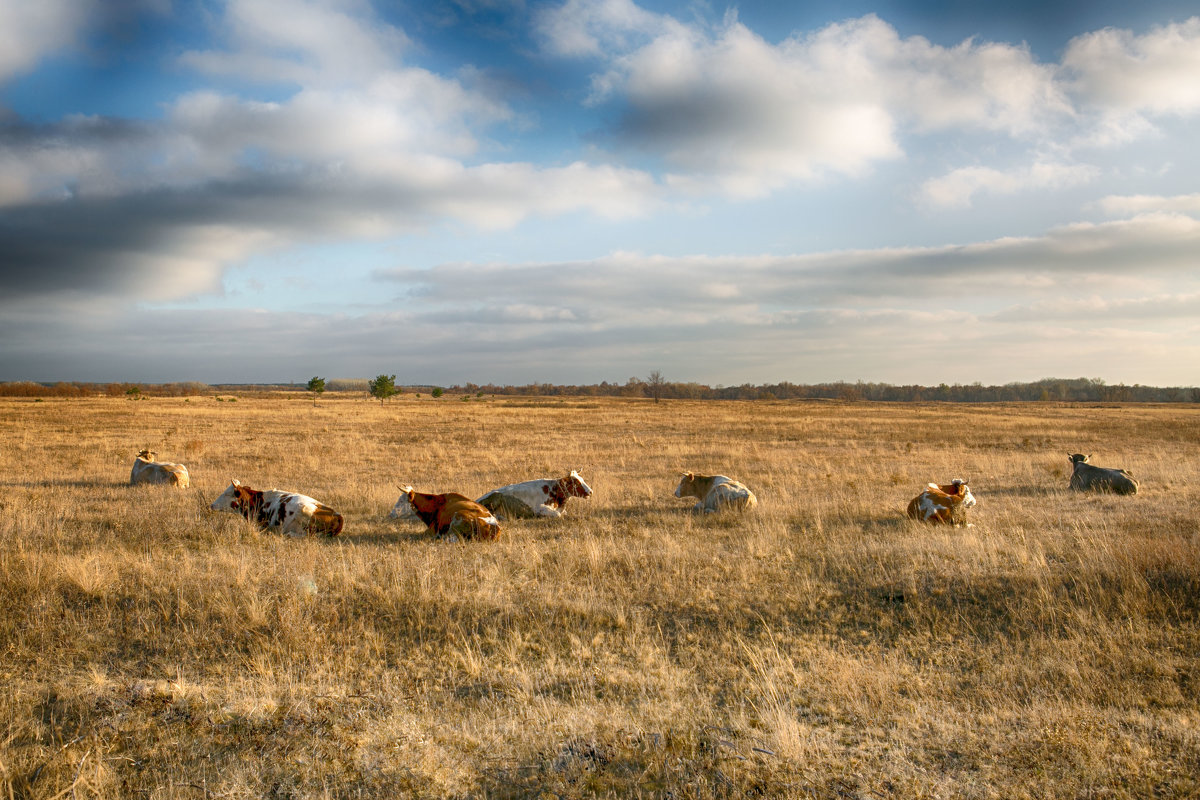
(1086, 477)
(945, 504)
(294, 514)
(147, 470)
(540, 498)
(450, 514)
(715, 492)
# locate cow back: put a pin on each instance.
(146, 471)
(1087, 477)
(467, 519)
(507, 505)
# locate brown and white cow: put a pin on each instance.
(1088, 478)
(294, 514)
(715, 493)
(945, 504)
(538, 498)
(147, 470)
(449, 514)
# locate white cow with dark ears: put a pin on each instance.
(147, 470)
(539, 498)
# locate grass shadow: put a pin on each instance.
(385, 535)
(67, 484)
(1021, 491)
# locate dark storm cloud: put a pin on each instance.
(129, 244)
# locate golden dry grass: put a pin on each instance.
(822, 646)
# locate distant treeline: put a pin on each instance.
(1068, 390)
(1048, 389)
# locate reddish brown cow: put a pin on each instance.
(453, 514)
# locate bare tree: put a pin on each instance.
(656, 383)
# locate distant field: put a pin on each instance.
(822, 646)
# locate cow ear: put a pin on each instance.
(236, 482)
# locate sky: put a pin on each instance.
(574, 191)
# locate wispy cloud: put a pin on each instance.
(1125, 205)
(958, 187)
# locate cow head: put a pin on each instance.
(574, 486)
(148, 455)
(687, 485)
(236, 497)
(425, 506)
(1078, 458)
(958, 488)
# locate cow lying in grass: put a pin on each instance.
(715, 493)
(294, 514)
(1087, 478)
(147, 470)
(449, 514)
(946, 504)
(539, 498)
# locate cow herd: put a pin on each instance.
(458, 516)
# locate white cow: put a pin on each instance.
(715, 492)
(147, 470)
(294, 514)
(538, 498)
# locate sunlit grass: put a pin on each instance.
(821, 646)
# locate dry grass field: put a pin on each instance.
(822, 646)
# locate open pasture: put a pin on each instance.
(820, 646)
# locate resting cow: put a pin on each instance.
(147, 470)
(541, 498)
(449, 514)
(1087, 478)
(294, 514)
(715, 492)
(946, 504)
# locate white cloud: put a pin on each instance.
(307, 42)
(958, 188)
(31, 30)
(726, 109)
(986, 85)
(749, 115)
(594, 27)
(1116, 71)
